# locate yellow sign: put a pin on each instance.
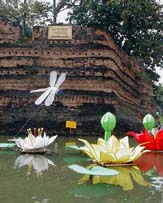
(60, 32)
(71, 124)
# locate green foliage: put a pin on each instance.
(159, 95)
(135, 25)
(26, 14)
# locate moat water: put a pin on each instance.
(47, 178)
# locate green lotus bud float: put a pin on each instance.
(151, 138)
(148, 122)
(108, 122)
(111, 150)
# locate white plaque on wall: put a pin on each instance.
(62, 32)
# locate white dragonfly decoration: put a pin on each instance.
(49, 93)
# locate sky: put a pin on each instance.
(61, 19)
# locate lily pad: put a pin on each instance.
(96, 170)
(7, 145)
(73, 147)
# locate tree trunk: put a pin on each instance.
(54, 12)
(24, 19)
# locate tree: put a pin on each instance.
(159, 96)
(135, 25)
(27, 13)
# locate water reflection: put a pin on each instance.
(151, 163)
(157, 183)
(38, 163)
(37, 200)
(127, 175)
(88, 191)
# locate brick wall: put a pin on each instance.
(100, 78)
(9, 32)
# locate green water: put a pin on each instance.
(47, 179)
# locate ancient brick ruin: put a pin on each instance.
(100, 78)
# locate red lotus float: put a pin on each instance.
(151, 138)
(151, 142)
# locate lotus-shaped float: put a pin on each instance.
(112, 151)
(148, 140)
(34, 144)
(151, 138)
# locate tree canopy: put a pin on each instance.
(135, 25)
(26, 14)
(159, 96)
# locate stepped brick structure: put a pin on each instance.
(100, 78)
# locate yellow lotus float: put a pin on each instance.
(110, 150)
(113, 151)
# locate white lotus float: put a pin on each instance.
(37, 162)
(32, 144)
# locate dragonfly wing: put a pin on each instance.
(53, 78)
(49, 100)
(43, 96)
(60, 80)
(39, 90)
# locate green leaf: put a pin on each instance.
(73, 147)
(7, 145)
